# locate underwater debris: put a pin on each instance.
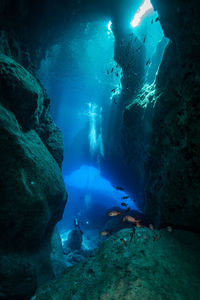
(114, 213)
(151, 227)
(157, 19)
(123, 242)
(124, 204)
(156, 238)
(148, 62)
(105, 233)
(119, 188)
(125, 197)
(169, 228)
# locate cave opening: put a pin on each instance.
(87, 76)
(129, 118)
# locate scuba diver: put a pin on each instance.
(77, 226)
(75, 237)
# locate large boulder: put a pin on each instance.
(33, 194)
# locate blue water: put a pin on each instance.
(77, 75)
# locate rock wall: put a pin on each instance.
(172, 191)
(32, 189)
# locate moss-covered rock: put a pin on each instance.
(148, 268)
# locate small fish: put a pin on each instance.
(134, 200)
(128, 209)
(125, 197)
(156, 237)
(152, 21)
(124, 204)
(114, 213)
(107, 72)
(135, 39)
(148, 62)
(114, 100)
(169, 228)
(117, 74)
(117, 66)
(139, 225)
(105, 233)
(119, 188)
(151, 227)
(111, 70)
(113, 90)
(144, 39)
(123, 241)
(130, 219)
(157, 19)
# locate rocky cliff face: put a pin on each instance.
(160, 130)
(172, 191)
(32, 189)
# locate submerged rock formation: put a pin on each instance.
(172, 191)
(158, 145)
(32, 189)
(155, 265)
(160, 135)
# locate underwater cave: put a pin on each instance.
(100, 168)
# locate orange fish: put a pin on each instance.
(138, 225)
(123, 241)
(130, 219)
(114, 213)
(151, 227)
(105, 233)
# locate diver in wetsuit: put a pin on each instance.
(77, 226)
(75, 237)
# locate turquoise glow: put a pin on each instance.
(109, 26)
(143, 9)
